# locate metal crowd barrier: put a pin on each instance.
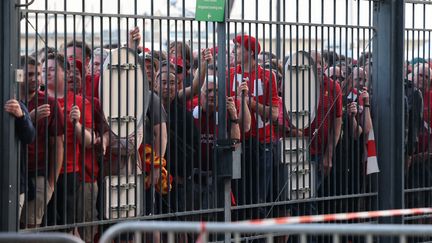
(39, 237)
(368, 232)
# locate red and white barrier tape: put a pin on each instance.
(338, 216)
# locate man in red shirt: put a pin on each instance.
(44, 160)
(324, 131)
(78, 135)
(205, 119)
(263, 98)
(89, 168)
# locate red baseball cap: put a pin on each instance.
(249, 43)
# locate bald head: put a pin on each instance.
(359, 77)
(335, 73)
(422, 75)
(209, 94)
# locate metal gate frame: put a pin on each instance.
(39, 237)
(303, 230)
(388, 46)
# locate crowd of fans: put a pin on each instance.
(70, 154)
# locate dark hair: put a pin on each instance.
(159, 55)
(47, 50)
(80, 44)
(275, 66)
(268, 56)
(330, 57)
(60, 60)
(148, 57)
(27, 60)
(195, 64)
(186, 49)
(172, 67)
(212, 67)
(110, 46)
(348, 71)
(363, 57)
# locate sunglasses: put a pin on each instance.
(334, 77)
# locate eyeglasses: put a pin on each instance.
(340, 78)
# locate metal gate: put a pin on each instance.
(270, 112)
(271, 233)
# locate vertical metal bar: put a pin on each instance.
(388, 49)
(336, 238)
(224, 184)
(9, 146)
(303, 238)
(100, 161)
(138, 237)
(204, 237)
(110, 123)
(36, 127)
(25, 164)
(278, 29)
(237, 237)
(171, 237)
(93, 127)
(402, 239)
(270, 238)
(65, 119)
(128, 81)
(119, 110)
(369, 238)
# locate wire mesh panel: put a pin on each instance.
(307, 65)
(45, 237)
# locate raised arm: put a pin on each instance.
(199, 76)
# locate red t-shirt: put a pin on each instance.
(90, 88)
(91, 166)
(329, 107)
(52, 126)
(71, 164)
(206, 123)
(427, 107)
(267, 95)
(191, 104)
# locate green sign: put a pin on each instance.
(210, 10)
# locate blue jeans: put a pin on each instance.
(316, 161)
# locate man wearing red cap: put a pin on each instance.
(263, 101)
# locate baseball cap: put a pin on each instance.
(249, 43)
(178, 62)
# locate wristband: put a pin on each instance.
(236, 121)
